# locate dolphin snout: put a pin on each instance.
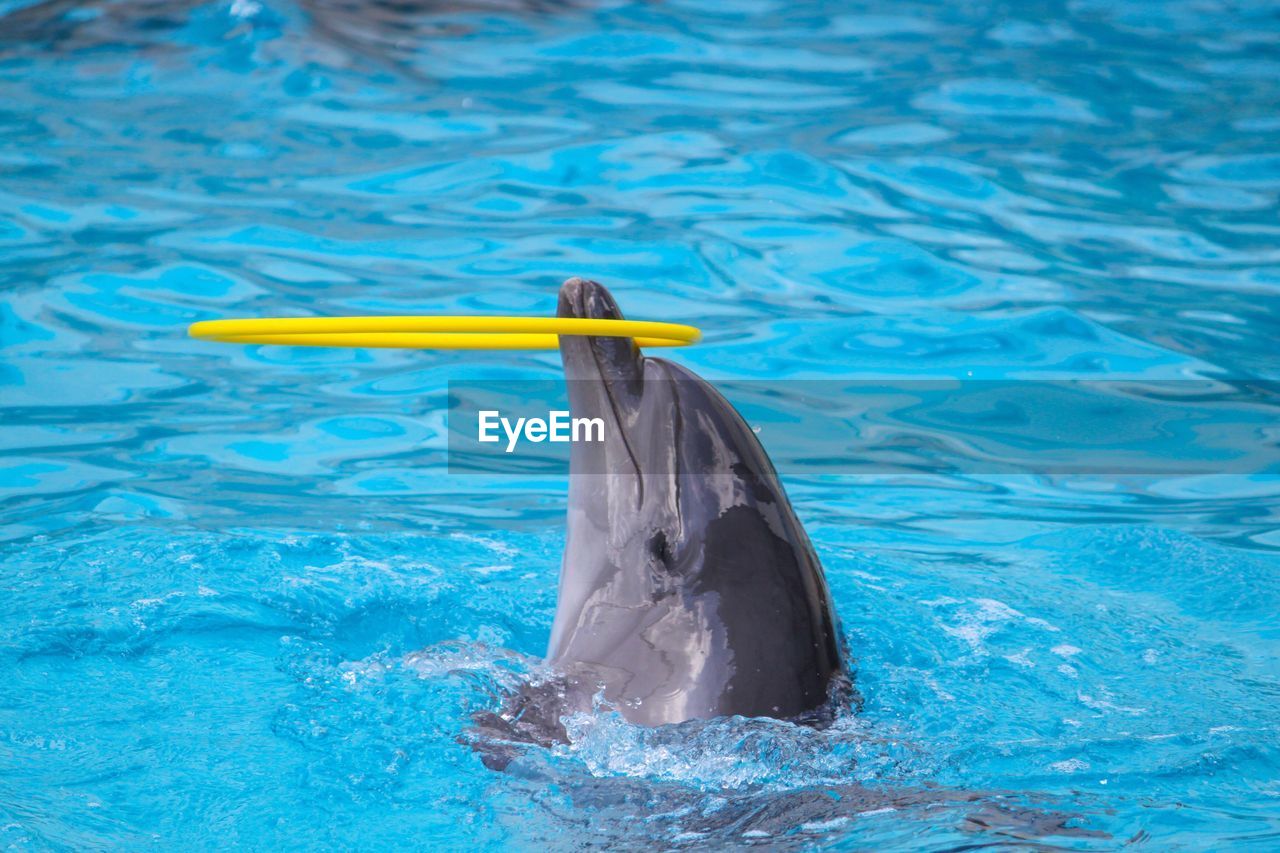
(603, 359)
(580, 297)
(605, 374)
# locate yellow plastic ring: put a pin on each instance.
(438, 332)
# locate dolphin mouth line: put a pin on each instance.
(617, 419)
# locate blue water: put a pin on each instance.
(246, 604)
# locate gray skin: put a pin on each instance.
(688, 589)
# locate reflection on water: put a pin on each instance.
(250, 603)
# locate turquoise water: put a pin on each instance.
(246, 602)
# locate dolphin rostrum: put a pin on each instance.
(688, 588)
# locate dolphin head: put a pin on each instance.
(688, 587)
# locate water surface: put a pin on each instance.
(249, 605)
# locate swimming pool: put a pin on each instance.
(249, 604)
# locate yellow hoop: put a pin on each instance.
(506, 333)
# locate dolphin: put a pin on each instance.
(688, 588)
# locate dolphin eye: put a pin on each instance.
(659, 548)
(664, 579)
